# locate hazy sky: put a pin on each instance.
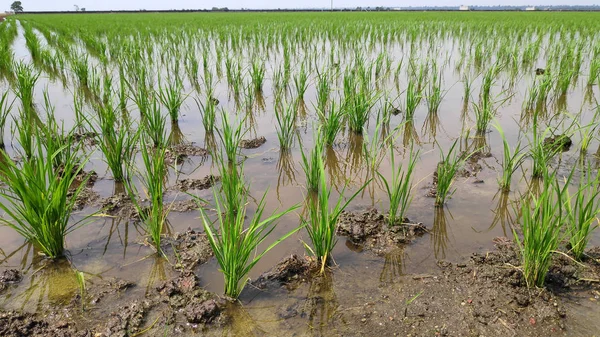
(40, 5)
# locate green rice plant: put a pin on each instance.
(152, 177)
(445, 173)
(357, 108)
(321, 222)
(39, 199)
(172, 97)
(331, 124)
(398, 188)
(231, 134)
(511, 160)
(115, 140)
(5, 108)
(435, 94)
(413, 99)
(257, 73)
(53, 136)
(286, 125)
(81, 69)
(323, 92)
(235, 247)
(583, 209)
(541, 224)
(209, 113)
(24, 87)
(300, 81)
(484, 114)
(310, 164)
(154, 125)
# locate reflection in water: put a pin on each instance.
(286, 169)
(354, 155)
(176, 137)
(260, 101)
(393, 266)
(502, 213)
(116, 228)
(430, 127)
(241, 323)
(332, 165)
(440, 233)
(50, 282)
(410, 135)
(321, 304)
(210, 142)
(158, 273)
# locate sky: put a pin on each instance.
(66, 5)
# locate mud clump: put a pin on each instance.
(183, 206)
(16, 324)
(540, 71)
(370, 230)
(194, 249)
(127, 320)
(204, 312)
(559, 143)
(180, 152)
(253, 143)
(288, 272)
(120, 206)
(8, 277)
(197, 184)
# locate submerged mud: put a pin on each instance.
(253, 143)
(371, 230)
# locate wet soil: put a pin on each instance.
(558, 143)
(180, 152)
(119, 205)
(8, 277)
(253, 143)
(290, 272)
(370, 230)
(197, 184)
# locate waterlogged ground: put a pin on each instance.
(430, 286)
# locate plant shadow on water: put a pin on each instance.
(393, 267)
(439, 235)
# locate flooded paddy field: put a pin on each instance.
(430, 174)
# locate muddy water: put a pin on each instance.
(111, 247)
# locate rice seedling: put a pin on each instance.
(152, 176)
(435, 94)
(413, 99)
(300, 82)
(235, 247)
(5, 108)
(357, 108)
(321, 222)
(209, 113)
(582, 212)
(484, 114)
(172, 98)
(310, 165)
(511, 160)
(286, 125)
(27, 77)
(154, 125)
(39, 199)
(257, 72)
(446, 172)
(231, 134)
(398, 188)
(541, 224)
(331, 124)
(115, 140)
(323, 92)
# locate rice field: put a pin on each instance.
(264, 130)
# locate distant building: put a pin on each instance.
(532, 8)
(464, 8)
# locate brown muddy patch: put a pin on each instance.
(197, 184)
(119, 205)
(289, 273)
(558, 143)
(180, 152)
(370, 230)
(253, 143)
(8, 277)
